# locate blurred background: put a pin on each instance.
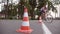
(13, 9)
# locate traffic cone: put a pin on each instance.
(25, 25)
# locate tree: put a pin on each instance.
(31, 5)
(40, 4)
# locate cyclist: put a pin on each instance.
(42, 13)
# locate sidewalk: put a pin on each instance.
(58, 18)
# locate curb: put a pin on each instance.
(56, 18)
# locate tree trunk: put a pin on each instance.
(32, 13)
(7, 9)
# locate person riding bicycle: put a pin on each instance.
(42, 12)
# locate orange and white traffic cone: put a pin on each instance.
(25, 25)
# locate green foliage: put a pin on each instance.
(32, 2)
(50, 5)
(31, 5)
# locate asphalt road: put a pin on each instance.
(10, 27)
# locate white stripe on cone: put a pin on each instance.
(25, 14)
(25, 23)
(45, 29)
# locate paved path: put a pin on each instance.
(10, 27)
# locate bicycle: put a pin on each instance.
(47, 18)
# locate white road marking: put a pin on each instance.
(45, 29)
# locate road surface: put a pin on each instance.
(10, 27)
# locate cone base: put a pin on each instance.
(24, 31)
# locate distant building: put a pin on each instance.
(57, 15)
